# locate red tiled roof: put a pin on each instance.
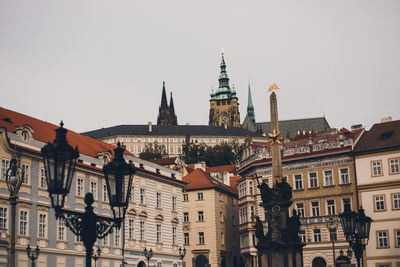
(381, 136)
(164, 161)
(234, 180)
(224, 168)
(45, 132)
(198, 179)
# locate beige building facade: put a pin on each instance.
(320, 170)
(377, 158)
(210, 223)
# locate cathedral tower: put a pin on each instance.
(224, 106)
(166, 114)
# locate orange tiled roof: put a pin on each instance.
(223, 168)
(164, 161)
(198, 179)
(45, 132)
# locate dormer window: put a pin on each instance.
(25, 132)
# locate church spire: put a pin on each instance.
(171, 106)
(223, 77)
(164, 103)
(250, 107)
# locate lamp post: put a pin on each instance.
(182, 253)
(332, 227)
(96, 256)
(59, 161)
(32, 255)
(14, 176)
(148, 254)
(356, 227)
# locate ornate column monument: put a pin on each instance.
(280, 246)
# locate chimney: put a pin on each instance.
(225, 176)
(356, 127)
(386, 119)
(200, 165)
(150, 127)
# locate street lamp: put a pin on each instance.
(182, 253)
(331, 224)
(356, 227)
(59, 161)
(148, 254)
(32, 255)
(14, 176)
(96, 256)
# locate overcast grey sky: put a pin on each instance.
(101, 63)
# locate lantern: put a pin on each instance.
(363, 224)
(348, 219)
(59, 162)
(119, 175)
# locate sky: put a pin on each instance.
(97, 64)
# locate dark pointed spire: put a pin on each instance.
(250, 107)
(164, 103)
(171, 106)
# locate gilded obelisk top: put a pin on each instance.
(274, 137)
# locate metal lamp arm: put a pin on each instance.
(73, 220)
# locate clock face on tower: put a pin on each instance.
(224, 119)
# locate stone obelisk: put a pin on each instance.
(274, 137)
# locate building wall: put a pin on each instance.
(222, 113)
(213, 205)
(33, 199)
(385, 187)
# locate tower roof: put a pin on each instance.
(250, 107)
(224, 91)
(171, 105)
(164, 103)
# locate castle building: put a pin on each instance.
(153, 218)
(377, 157)
(166, 114)
(320, 170)
(224, 105)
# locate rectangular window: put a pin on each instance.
(300, 209)
(396, 201)
(93, 189)
(394, 166)
(186, 217)
(158, 233)
(186, 238)
(200, 196)
(142, 196)
(117, 237)
(302, 236)
(105, 193)
(79, 238)
(346, 201)
(201, 238)
(397, 238)
(200, 216)
(222, 239)
(105, 240)
(61, 229)
(344, 176)
(331, 207)
(25, 168)
(174, 203)
(158, 202)
(43, 182)
(42, 225)
(173, 235)
(383, 239)
(315, 209)
(376, 168)
(132, 194)
(317, 235)
(131, 228)
(23, 222)
(142, 230)
(328, 178)
(298, 181)
(379, 203)
(79, 187)
(185, 197)
(5, 164)
(313, 179)
(250, 188)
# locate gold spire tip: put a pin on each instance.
(273, 87)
